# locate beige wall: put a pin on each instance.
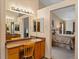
(24, 4)
(56, 19)
(2, 29)
(76, 33)
(45, 12)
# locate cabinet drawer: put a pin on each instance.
(13, 56)
(13, 50)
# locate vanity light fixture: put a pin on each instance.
(20, 10)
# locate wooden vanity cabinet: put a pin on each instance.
(42, 48)
(13, 56)
(18, 52)
(13, 53)
(39, 50)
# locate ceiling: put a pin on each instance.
(28, 5)
(67, 13)
(17, 3)
(25, 4)
(49, 2)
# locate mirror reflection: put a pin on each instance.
(34, 24)
(39, 25)
(20, 25)
(17, 25)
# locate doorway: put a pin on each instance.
(62, 33)
(26, 26)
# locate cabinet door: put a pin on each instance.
(13, 53)
(13, 56)
(37, 50)
(42, 49)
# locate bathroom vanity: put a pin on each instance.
(15, 48)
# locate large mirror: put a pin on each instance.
(34, 25)
(17, 25)
(42, 24)
(39, 25)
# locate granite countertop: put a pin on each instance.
(21, 43)
(17, 39)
